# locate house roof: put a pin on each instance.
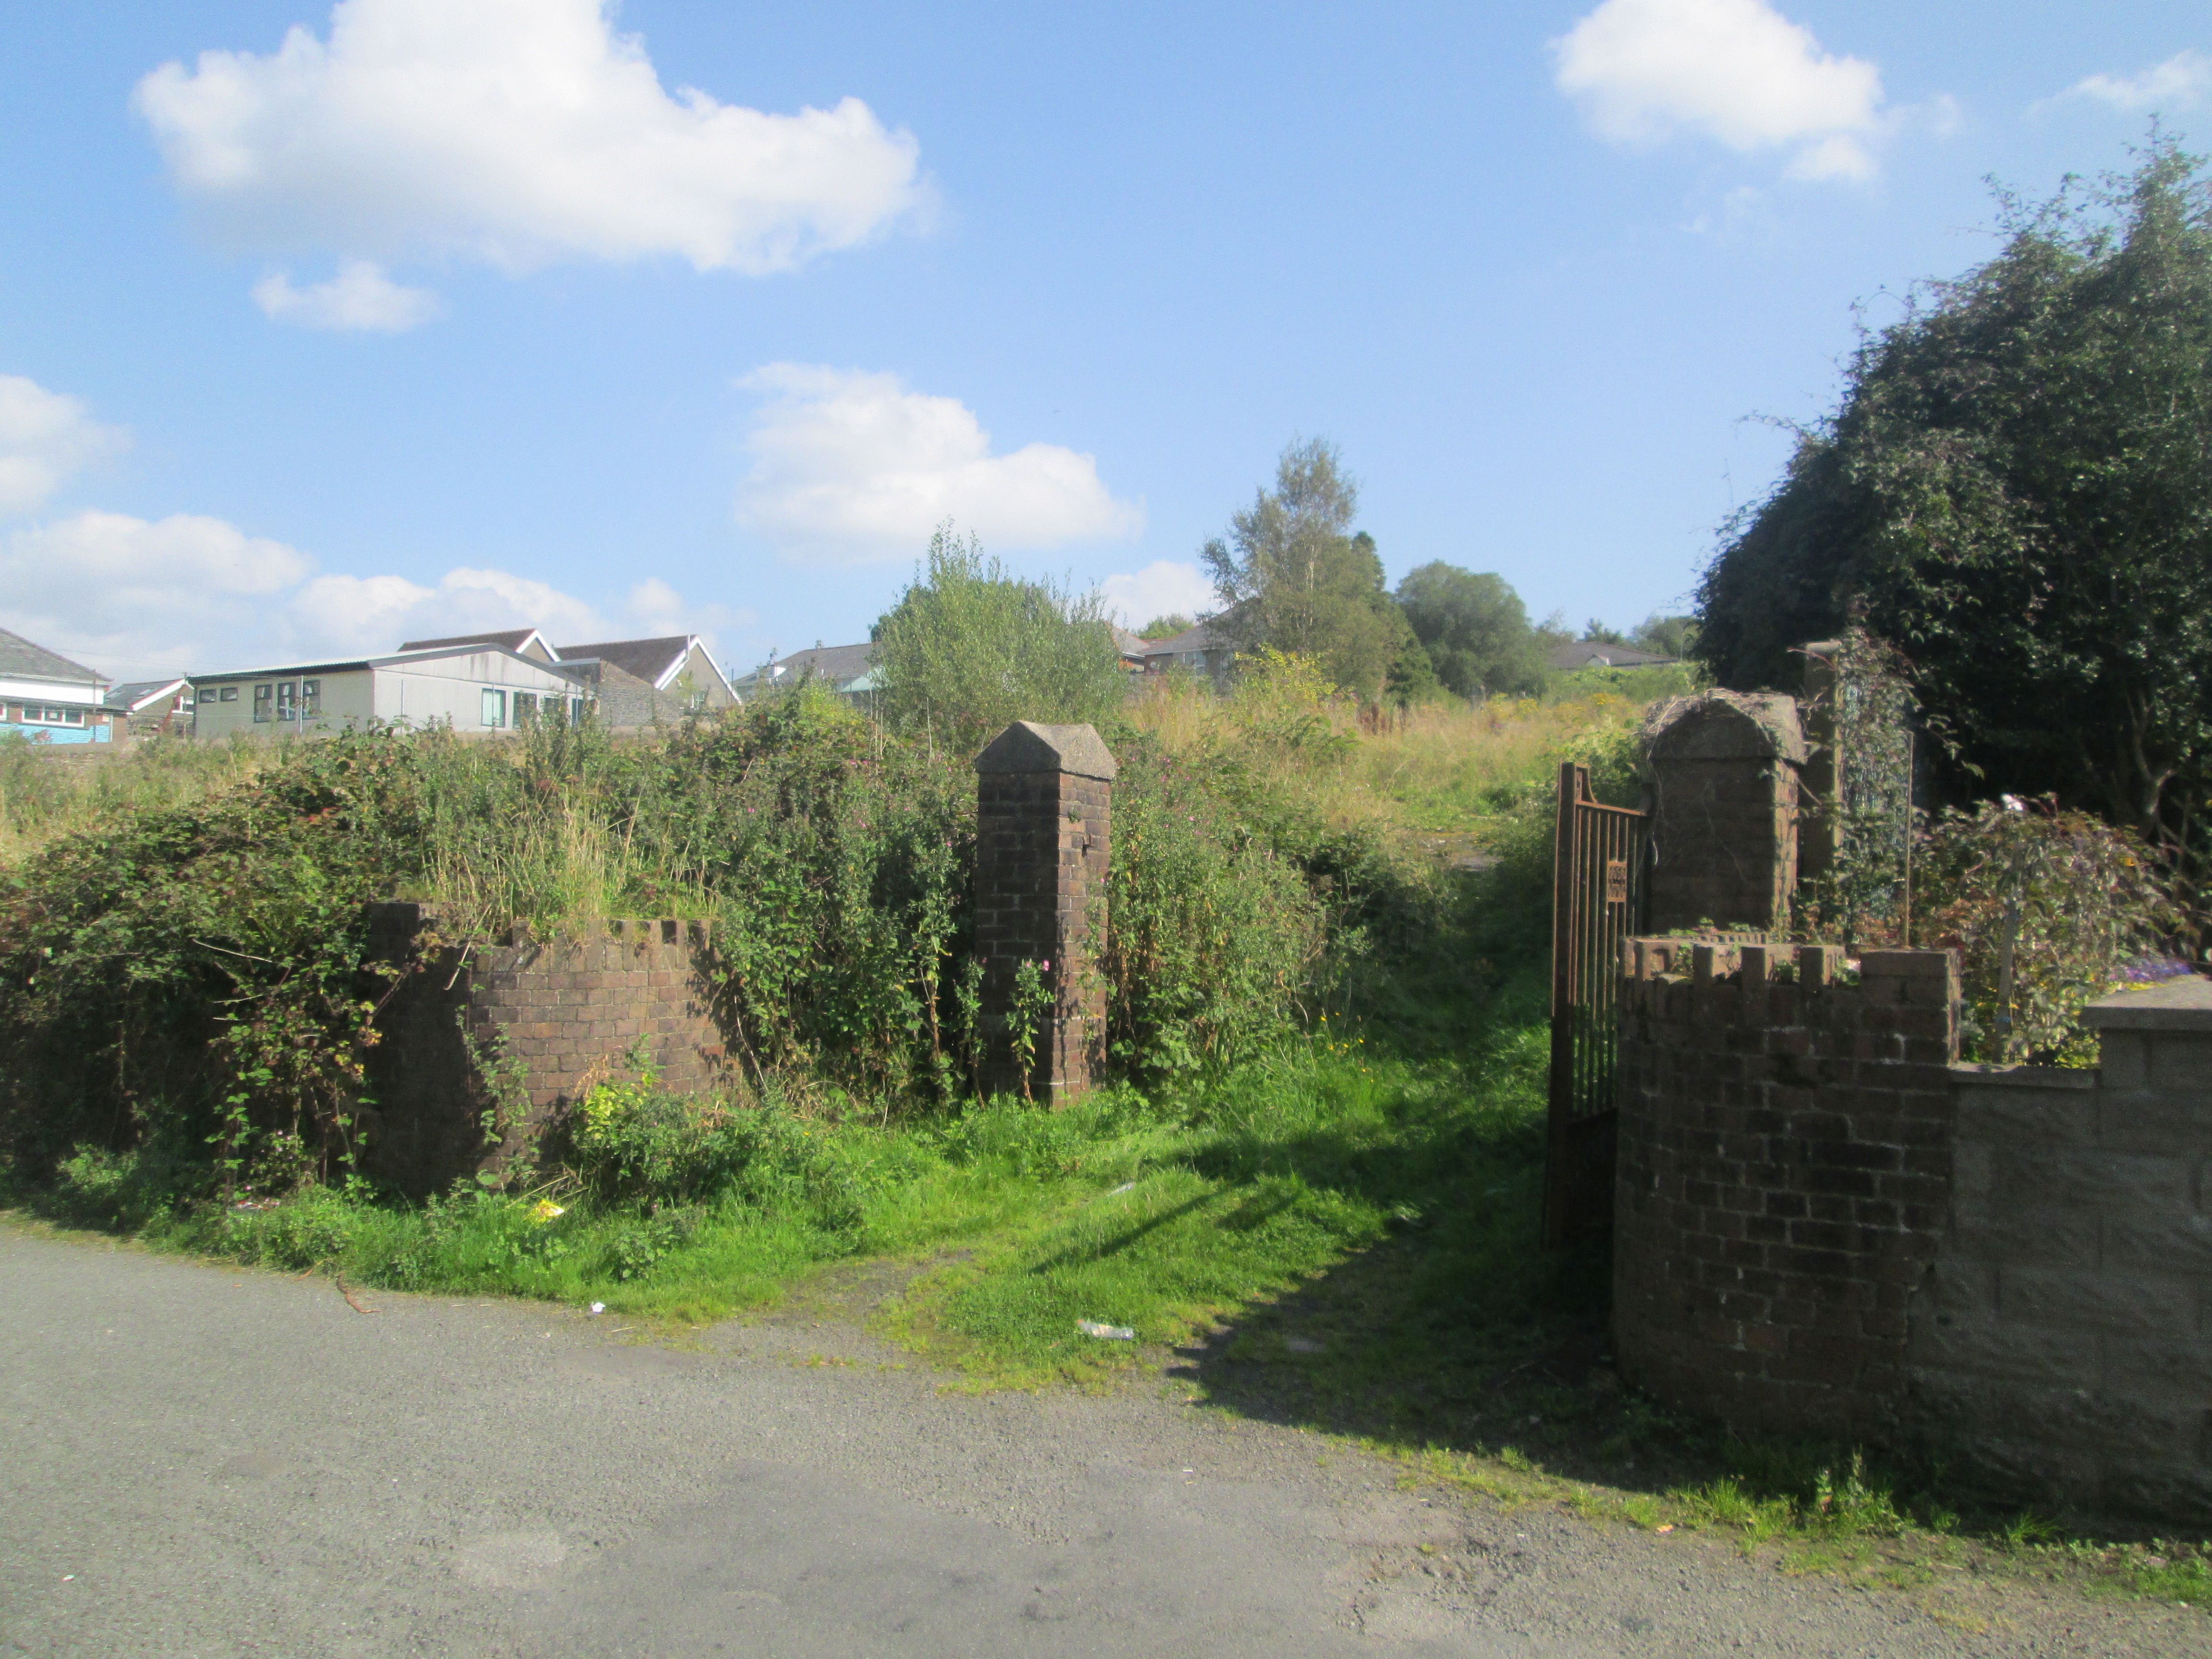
(131, 695)
(1128, 644)
(839, 664)
(1202, 636)
(1596, 654)
(657, 662)
(21, 659)
(390, 658)
(517, 640)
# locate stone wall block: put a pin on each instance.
(2096, 1300)
(2000, 1105)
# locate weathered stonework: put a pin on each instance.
(1821, 779)
(1824, 1224)
(1043, 829)
(480, 1047)
(1724, 790)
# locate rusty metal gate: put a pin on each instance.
(1600, 881)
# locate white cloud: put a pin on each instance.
(2180, 82)
(130, 597)
(44, 436)
(1734, 70)
(134, 597)
(515, 131)
(1838, 157)
(377, 613)
(850, 465)
(360, 297)
(1162, 588)
(656, 609)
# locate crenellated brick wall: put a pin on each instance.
(1782, 1178)
(1823, 1223)
(552, 1017)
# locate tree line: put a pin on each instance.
(971, 645)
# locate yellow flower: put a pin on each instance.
(545, 1210)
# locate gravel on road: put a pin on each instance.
(199, 1462)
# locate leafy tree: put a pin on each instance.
(1597, 633)
(970, 647)
(1672, 636)
(2017, 492)
(1476, 630)
(1166, 628)
(1293, 576)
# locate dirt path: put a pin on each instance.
(206, 1463)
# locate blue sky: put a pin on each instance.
(457, 314)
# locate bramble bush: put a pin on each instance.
(2048, 909)
(188, 976)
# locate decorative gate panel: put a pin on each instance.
(1601, 874)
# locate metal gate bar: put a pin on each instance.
(1598, 900)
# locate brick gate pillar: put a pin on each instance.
(1724, 789)
(1043, 822)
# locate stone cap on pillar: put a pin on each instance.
(2180, 1005)
(1026, 746)
(1726, 726)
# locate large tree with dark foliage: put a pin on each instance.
(2017, 493)
(1475, 628)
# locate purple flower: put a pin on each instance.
(2153, 970)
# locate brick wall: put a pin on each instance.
(1043, 835)
(1781, 1171)
(1824, 1225)
(553, 1017)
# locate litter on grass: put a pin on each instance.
(1106, 1333)
(1126, 1186)
(599, 1307)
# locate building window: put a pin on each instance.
(288, 700)
(311, 698)
(230, 693)
(526, 708)
(35, 715)
(495, 709)
(264, 701)
(576, 706)
(207, 693)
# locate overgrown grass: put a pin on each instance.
(47, 793)
(1449, 767)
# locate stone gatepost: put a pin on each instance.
(1043, 820)
(1724, 789)
(1820, 809)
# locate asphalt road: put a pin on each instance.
(199, 1461)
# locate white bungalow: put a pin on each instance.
(471, 686)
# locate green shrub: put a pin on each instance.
(1212, 935)
(2047, 909)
